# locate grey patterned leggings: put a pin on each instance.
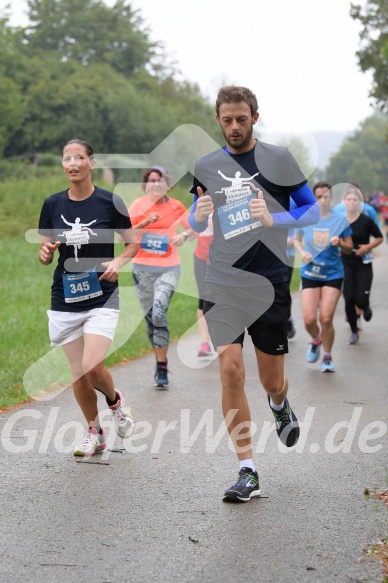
(155, 290)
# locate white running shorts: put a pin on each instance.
(64, 327)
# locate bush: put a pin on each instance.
(48, 159)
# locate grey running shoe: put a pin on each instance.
(245, 488)
(287, 426)
(353, 338)
(291, 331)
(161, 376)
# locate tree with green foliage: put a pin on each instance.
(82, 68)
(373, 54)
(363, 157)
(11, 101)
(301, 153)
(90, 32)
(63, 102)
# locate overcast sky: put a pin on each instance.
(298, 56)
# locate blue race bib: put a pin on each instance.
(78, 287)
(316, 270)
(154, 243)
(235, 217)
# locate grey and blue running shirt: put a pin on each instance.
(241, 243)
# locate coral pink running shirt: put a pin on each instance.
(155, 248)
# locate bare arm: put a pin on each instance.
(112, 268)
(179, 239)
(151, 218)
(369, 246)
(346, 244)
(304, 255)
(46, 250)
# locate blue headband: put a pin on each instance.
(160, 168)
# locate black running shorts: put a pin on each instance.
(262, 310)
(312, 283)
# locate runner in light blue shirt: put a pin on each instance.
(322, 273)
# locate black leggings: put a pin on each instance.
(357, 286)
(290, 269)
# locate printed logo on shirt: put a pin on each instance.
(240, 186)
(78, 235)
(321, 238)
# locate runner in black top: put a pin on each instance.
(80, 222)
(358, 265)
(248, 185)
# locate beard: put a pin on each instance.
(238, 141)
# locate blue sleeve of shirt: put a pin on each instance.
(197, 227)
(306, 211)
(347, 232)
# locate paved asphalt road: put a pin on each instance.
(151, 510)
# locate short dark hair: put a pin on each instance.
(321, 184)
(163, 173)
(235, 94)
(88, 148)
